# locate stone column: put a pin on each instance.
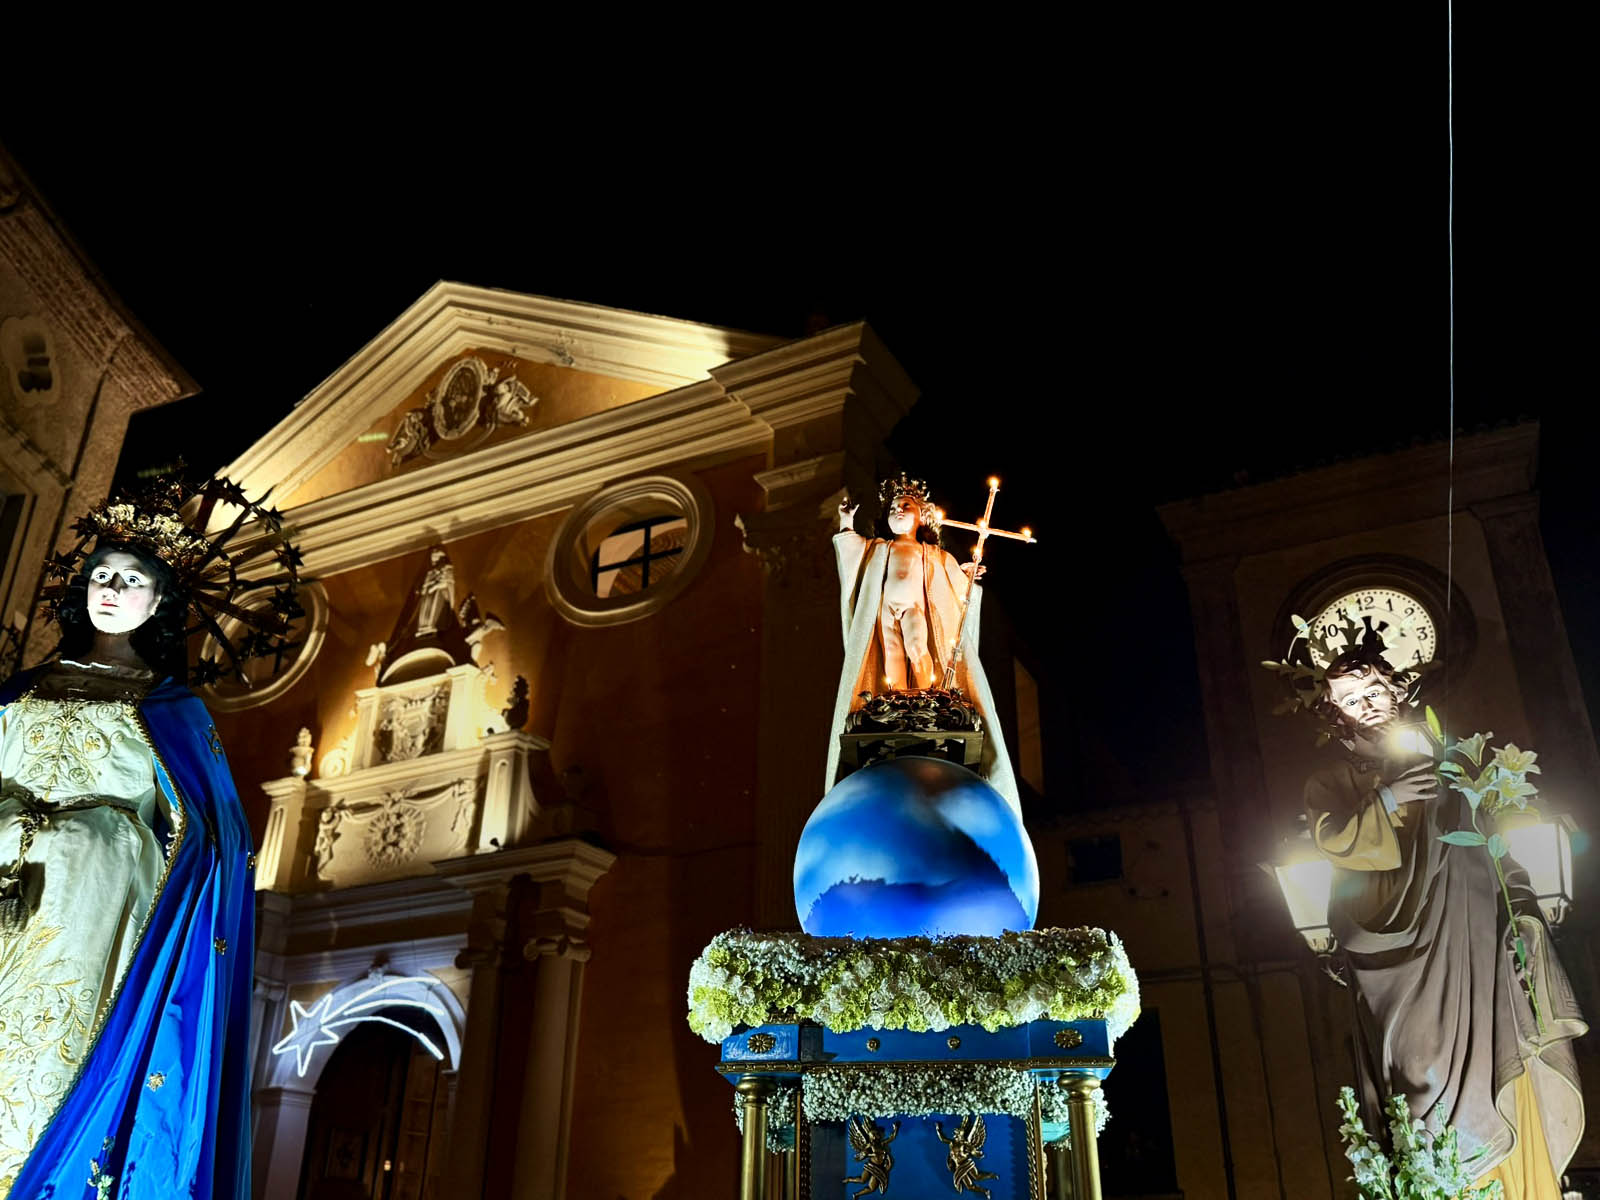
(830, 400)
(801, 653)
(484, 957)
(282, 1118)
(1243, 812)
(552, 1060)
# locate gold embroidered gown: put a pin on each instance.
(77, 784)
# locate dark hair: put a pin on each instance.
(160, 641)
(1354, 664)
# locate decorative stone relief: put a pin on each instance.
(394, 831)
(327, 834)
(413, 725)
(471, 396)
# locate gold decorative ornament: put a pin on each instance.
(873, 1044)
(953, 1042)
(221, 945)
(966, 1148)
(157, 1078)
(872, 1152)
(761, 1043)
(250, 862)
(1069, 1039)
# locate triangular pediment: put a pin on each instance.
(645, 354)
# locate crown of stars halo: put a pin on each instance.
(245, 599)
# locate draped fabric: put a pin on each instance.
(1440, 1015)
(863, 564)
(160, 1104)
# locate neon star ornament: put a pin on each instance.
(315, 1026)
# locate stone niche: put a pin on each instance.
(429, 773)
(421, 780)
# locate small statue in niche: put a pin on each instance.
(300, 754)
(966, 1148)
(516, 711)
(433, 631)
(436, 594)
(872, 1152)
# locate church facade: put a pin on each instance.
(521, 764)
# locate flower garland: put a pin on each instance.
(780, 1116)
(921, 984)
(835, 1093)
(838, 1093)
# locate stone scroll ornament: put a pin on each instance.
(471, 396)
(244, 598)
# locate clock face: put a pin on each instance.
(1409, 638)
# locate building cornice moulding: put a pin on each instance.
(522, 478)
(452, 317)
(1337, 500)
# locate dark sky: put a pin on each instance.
(1125, 266)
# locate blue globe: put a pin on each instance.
(914, 846)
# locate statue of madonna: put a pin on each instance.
(126, 900)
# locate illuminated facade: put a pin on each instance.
(517, 772)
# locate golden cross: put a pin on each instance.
(985, 531)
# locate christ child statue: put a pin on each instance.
(902, 598)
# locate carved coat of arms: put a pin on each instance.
(471, 396)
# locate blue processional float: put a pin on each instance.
(920, 1037)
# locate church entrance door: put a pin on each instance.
(378, 1123)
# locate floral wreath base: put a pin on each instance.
(922, 984)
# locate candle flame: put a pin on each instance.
(1026, 532)
(994, 482)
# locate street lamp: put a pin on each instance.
(1306, 878)
(1544, 848)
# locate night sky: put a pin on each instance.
(1136, 264)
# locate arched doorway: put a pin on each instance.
(377, 1126)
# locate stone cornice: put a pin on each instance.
(432, 770)
(452, 317)
(571, 862)
(780, 403)
(81, 305)
(408, 956)
(1341, 499)
(522, 477)
(393, 902)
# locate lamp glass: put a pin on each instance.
(1306, 886)
(1544, 849)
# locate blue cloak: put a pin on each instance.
(162, 1104)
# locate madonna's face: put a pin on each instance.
(121, 593)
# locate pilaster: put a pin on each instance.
(830, 400)
(1541, 654)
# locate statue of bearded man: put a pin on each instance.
(1441, 1016)
(901, 598)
